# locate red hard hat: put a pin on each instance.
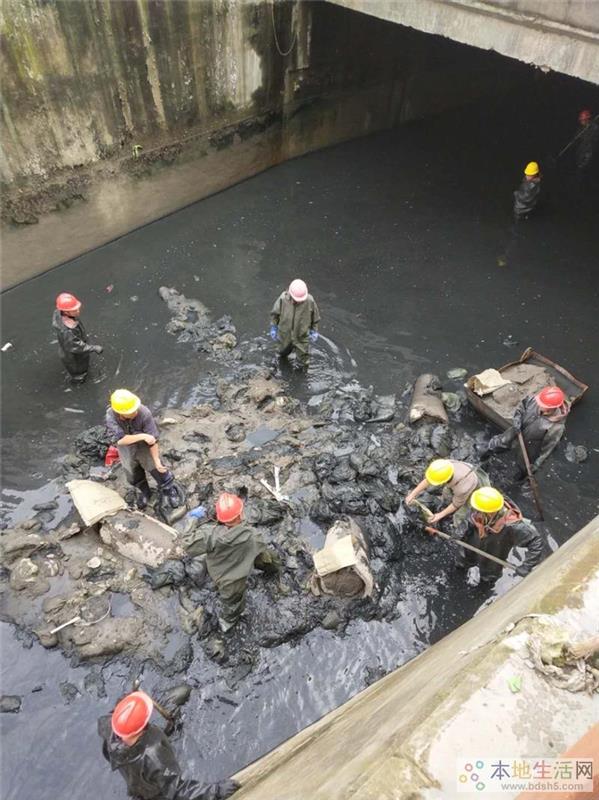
(550, 397)
(132, 714)
(584, 115)
(67, 302)
(228, 507)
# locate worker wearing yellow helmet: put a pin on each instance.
(527, 194)
(460, 480)
(135, 434)
(496, 525)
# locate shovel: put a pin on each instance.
(474, 549)
(532, 480)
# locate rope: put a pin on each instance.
(274, 30)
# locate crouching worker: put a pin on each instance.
(135, 433)
(233, 548)
(541, 419)
(495, 525)
(459, 480)
(144, 756)
(342, 567)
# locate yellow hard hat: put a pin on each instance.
(124, 402)
(532, 168)
(439, 471)
(487, 500)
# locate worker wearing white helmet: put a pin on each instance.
(294, 321)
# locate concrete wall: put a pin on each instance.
(559, 35)
(401, 738)
(116, 112)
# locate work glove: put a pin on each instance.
(97, 348)
(313, 335)
(274, 331)
(199, 512)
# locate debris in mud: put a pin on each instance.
(457, 374)
(576, 454)
(10, 704)
(426, 400)
(332, 466)
(191, 322)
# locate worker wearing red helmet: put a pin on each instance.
(72, 338)
(541, 419)
(294, 321)
(143, 755)
(233, 548)
(587, 139)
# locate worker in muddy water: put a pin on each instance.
(495, 525)
(526, 196)
(233, 548)
(294, 322)
(587, 139)
(72, 338)
(143, 755)
(459, 479)
(541, 419)
(135, 434)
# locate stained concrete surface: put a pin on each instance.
(398, 237)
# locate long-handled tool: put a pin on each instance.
(574, 139)
(160, 709)
(474, 549)
(531, 478)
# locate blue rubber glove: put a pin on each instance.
(313, 336)
(199, 512)
(274, 331)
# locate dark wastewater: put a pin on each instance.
(398, 237)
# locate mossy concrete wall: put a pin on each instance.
(116, 112)
(401, 738)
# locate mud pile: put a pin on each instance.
(331, 466)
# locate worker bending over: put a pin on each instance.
(72, 338)
(144, 756)
(294, 321)
(459, 478)
(541, 419)
(135, 433)
(587, 139)
(527, 194)
(233, 548)
(495, 525)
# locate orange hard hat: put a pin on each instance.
(550, 397)
(228, 507)
(132, 714)
(67, 302)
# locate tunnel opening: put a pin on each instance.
(397, 225)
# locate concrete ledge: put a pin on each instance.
(529, 37)
(400, 738)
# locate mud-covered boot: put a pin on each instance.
(142, 494)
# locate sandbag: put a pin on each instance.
(141, 538)
(426, 400)
(342, 567)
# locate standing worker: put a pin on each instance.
(587, 139)
(135, 433)
(232, 550)
(460, 480)
(72, 338)
(541, 419)
(495, 525)
(527, 194)
(144, 756)
(294, 321)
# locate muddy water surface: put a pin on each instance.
(398, 237)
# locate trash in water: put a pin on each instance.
(509, 342)
(134, 298)
(457, 374)
(6, 347)
(74, 410)
(576, 453)
(110, 287)
(515, 684)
